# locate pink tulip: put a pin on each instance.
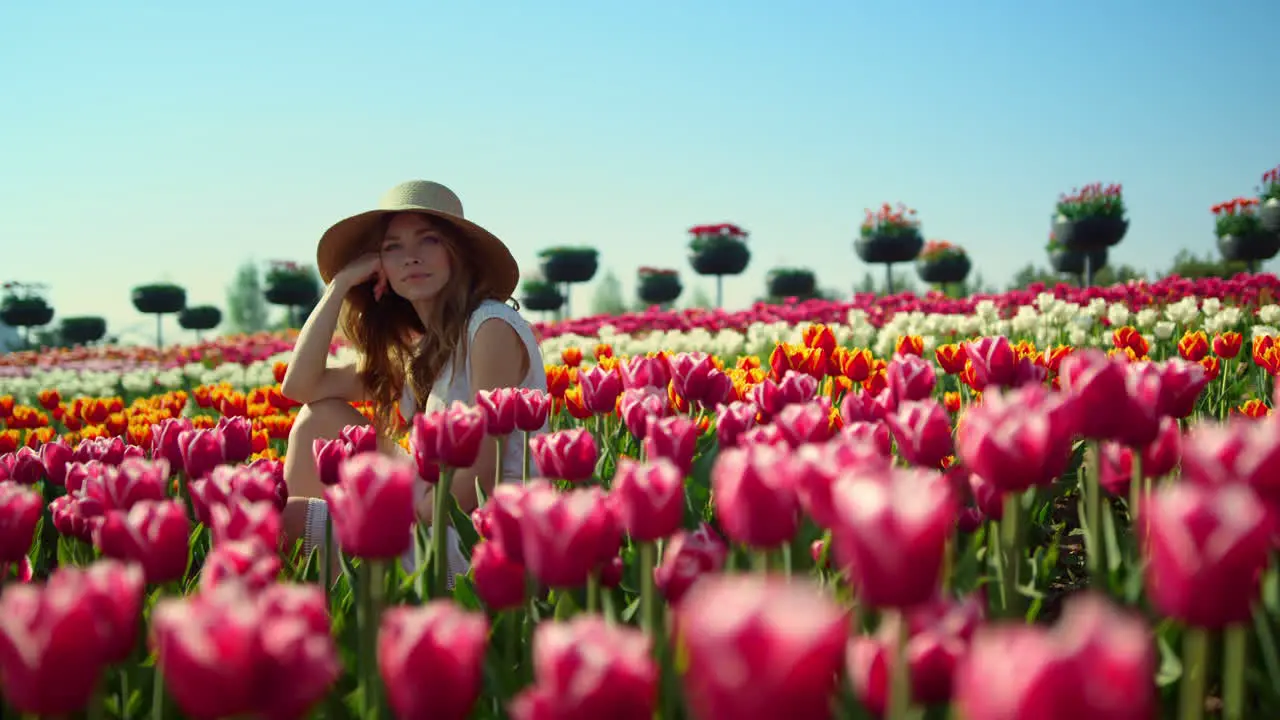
(431, 658)
(922, 430)
(911, 377)
(783, 639)
(600, 389)
(20, 510)
(531, 409)
(499, 581)
(805, 423)
(648, 498)
(1202, 536)
(372, 506)
(587, 668)
(1018, 439)
(566, 454)
(674, 438)
(275, 654)
(499, 408)
(733, 420)
(566, 536)
(153, 533)
(756, 501)
(891, 534)
(688, 556)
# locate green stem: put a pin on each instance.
(440, 534)
(370, 595)
(1091, 492)
(501, 464)
(900, 677)
(527, 460)
(1011, 555)
(326, 557)
(157, 695)
(1235, 653)
(593, 591)
(648, 591)
(760, 560)
(1195, 655)
(1135, 485)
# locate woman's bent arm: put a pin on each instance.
(308, 377)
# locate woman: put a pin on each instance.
(420, 293)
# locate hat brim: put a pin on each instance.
(342, 243)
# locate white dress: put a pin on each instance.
(454, 386)
(451, 387)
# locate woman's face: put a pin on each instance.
(414, 257)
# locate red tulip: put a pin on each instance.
(1201, 536)
(805, 423)
(1097, 662)
(814, 469)
(587, 668)
(236, 434)
(875, 432)
(938, 638)
(642, 371)
(52, 650)
(164, 441)
(450, 437)
(1019, 438)
(639, 407)
(275, 654)
(756, 502)
(532, 408)
(648, 498)
(499, 408)
(372, 506)
(911, 377)
(864, 407)
(54, 457)
(689, 555)
(733, 420)
(923, 432)
(132, 481)
(674, 438)
(793, 388)
(504, 513)
(115, 591)
(782, 638)
(156, 534)
(994, 362)
(259, 522)
(236, 485)
(359, 439)
(566, 536)
(329, 456)
(693, 375)
(431, 658)
(891, 534)
(600, 389)
(499, 581)
(20, 510)
(201, 451)
(1099, 386)
(1240, 451)
(109, 451)
(567, 454)
(244, 561)
(76, 516)
(25, 466)
(1181, 384)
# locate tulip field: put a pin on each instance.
(1047, 504)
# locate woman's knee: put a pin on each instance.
(325, 418)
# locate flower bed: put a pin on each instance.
(909, 471)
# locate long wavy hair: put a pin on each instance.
(395, 348)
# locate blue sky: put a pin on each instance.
(146, 141)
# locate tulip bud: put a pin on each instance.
(688, 556)
(431, 658)
(756, 502)
(648, 498)
(784, 636)
(565, 536)
(569, 455)
(372, 506)
(156, 534)
(587, 668)
(20, 509)
(891, 534)
(499, 408)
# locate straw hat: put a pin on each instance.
(345, 241)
